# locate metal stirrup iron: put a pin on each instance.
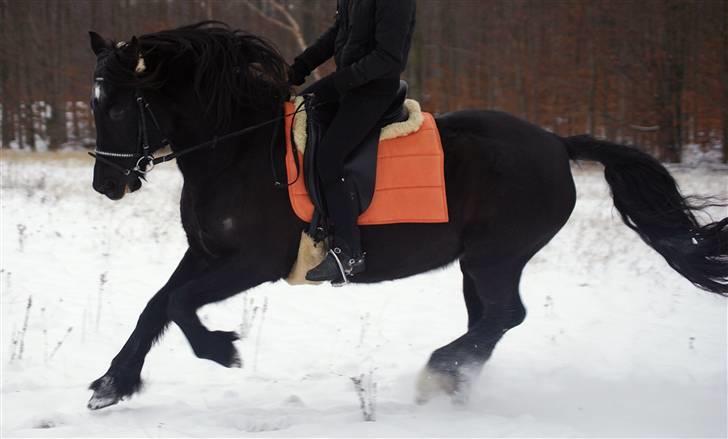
(338, 262)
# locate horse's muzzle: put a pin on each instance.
(115, 190)
(111, 189)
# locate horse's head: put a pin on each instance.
(131, 116)
(195, 83)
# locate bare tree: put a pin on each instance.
(5, 113)
(282, 18)
(724, 78)
(653, 72)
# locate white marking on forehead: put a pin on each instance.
(227, 223)
(98, 89)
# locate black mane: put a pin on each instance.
(227, 67)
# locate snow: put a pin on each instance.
(615, 342)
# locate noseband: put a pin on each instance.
(144, 158)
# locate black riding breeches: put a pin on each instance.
(352, 117)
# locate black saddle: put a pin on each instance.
(360, 167)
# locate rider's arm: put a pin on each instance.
(392, 26)
(317, 53)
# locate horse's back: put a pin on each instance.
(495, 161)
(496, 128)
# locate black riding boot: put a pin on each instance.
(339, 265)
(345, 258)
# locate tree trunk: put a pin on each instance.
(679, 35)
(5, 114)
(724, 80)
(415, 67)
(57, 134)
(593, 70)
(667, 144)
(592, 106)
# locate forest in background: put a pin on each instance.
(652, 73)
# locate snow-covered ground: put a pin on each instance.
(615, 343)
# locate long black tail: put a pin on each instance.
(647, 197)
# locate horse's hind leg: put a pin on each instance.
(473, 303)
(494, 283)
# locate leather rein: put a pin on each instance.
(145, 160)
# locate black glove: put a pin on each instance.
(297, 74)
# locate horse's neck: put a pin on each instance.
(237, 173)
(245, 153)
(248, 156)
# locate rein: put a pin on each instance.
(146, 160)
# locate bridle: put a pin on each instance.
(145, 160)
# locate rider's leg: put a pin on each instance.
(359, 111)
(343, 211)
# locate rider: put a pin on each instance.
(370, 41)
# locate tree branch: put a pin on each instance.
(290, 25)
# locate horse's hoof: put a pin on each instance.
(229, 356)
(104, 394)
(219, 348)
(99, 402)
(236, 362)
(432, 383)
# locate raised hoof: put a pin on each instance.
(105, 394)
(219, 348)
(236, 362)
(432, 383)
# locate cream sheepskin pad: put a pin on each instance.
(392, 131)
(311, 254)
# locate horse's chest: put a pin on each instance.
(218, 224)
(228, 224)
(227, 227)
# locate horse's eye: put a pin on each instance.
(116, 113)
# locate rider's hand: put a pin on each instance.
(296, 74)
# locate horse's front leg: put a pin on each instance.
(227, 279)
(123, 377)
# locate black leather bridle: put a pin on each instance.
(145, 160)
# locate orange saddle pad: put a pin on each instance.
(410, 183)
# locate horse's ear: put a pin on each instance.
(98, 43)
(134, 43)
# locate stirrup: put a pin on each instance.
(335, 252)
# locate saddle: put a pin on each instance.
(396, 173)
(360, 167)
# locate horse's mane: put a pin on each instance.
(228, 67)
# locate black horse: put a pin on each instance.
(509, 190)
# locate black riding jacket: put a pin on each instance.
(370, 40)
